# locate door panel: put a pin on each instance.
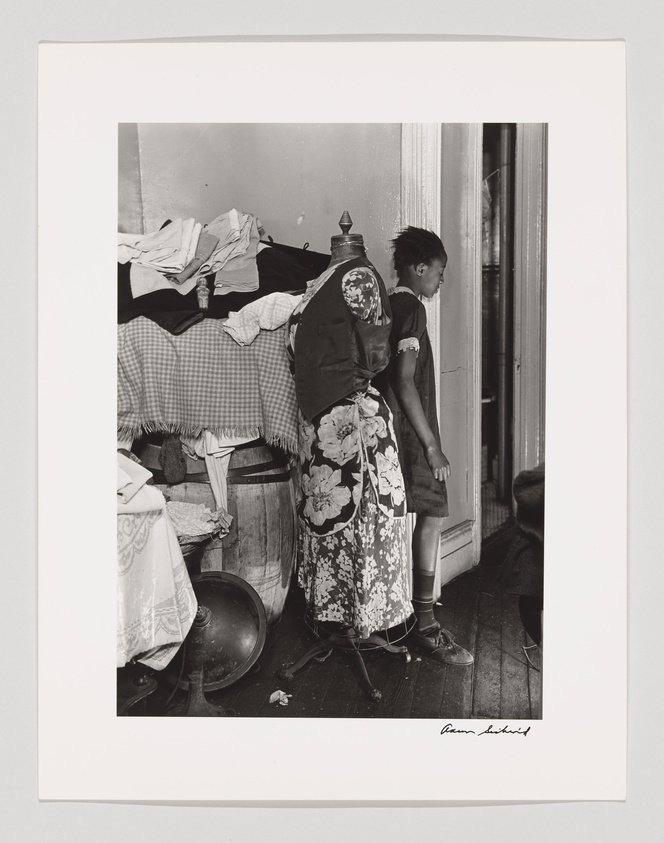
(460, 334)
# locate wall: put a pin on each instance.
(130, 203)
(297, 178)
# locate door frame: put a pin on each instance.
(529, 370)
(423, 163)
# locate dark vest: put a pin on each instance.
(336, 353)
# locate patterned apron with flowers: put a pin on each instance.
(353, 559)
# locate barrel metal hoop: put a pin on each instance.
(243, 470)
(234, 475)
(159, 478)
(259, 478)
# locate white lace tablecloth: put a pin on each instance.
(156, 602)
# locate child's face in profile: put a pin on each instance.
(429, 277)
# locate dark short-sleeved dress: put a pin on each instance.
(424, 494)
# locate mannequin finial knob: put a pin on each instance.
(345, 223)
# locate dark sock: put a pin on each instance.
(423, 599)
(424, 614)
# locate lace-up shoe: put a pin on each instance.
(439, 644)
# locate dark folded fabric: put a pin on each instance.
(159, 300)
(523, 569)
(288, 264)
(280, 269)
(528, 488)
(168, 308)
(176, 321)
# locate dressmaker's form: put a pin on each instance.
(353, 553)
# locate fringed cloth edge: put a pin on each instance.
(135, 432)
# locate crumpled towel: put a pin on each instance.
(195, 519)
(269, 312)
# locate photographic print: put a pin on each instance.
(341, 317)
(431, 607)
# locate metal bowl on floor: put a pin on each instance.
(227, 635)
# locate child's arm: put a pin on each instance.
(410, 403)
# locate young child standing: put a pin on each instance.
(420, 260)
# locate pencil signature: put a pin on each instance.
(448, 729)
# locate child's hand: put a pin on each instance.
(438, 462)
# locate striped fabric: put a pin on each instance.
(203, 380)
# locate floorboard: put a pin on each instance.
(342, 691)
(486, 697)
(387, 673)
(505, 682)
(457, 699)
(534, 678)
(514, 692)
(307, 689)
(433, 676)
(292, 638)
(402, 700)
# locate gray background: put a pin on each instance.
(640, 23)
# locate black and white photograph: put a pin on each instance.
(331, 420)
(343, 329)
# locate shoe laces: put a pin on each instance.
(441, 638)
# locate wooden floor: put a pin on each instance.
(504, 683)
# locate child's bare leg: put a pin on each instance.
(426, 538)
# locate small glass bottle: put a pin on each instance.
(202, 293)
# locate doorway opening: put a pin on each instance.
(498, 164)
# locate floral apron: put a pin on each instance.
(353, 557)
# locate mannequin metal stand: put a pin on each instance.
(347, 642)
(196, 704)
(225, 640)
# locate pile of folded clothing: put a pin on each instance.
(228, 260)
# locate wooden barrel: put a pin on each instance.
(261, 544)
(195, 489)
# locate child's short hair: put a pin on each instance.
(416, 245)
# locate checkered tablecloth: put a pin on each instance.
(203, 380)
